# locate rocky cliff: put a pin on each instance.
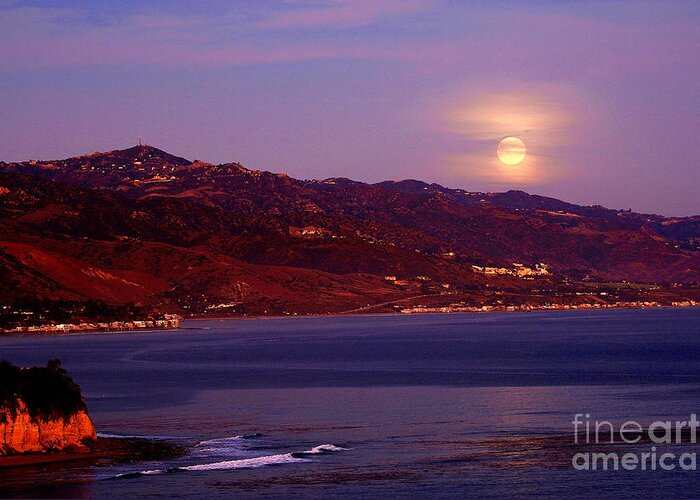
(42, 411)
(23, 434)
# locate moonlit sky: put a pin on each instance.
(605, 94)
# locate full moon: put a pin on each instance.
(511, 150)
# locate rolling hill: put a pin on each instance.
(146, 228)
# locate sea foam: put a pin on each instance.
(246, 463)
(220, 446)
(243, 463)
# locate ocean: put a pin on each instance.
(410, 406)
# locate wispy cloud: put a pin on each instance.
(168, 51)
(540, 115)
(45, 38)
(344, 13)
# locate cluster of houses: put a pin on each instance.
(454, 308)
(518, 270)
(167, 322)
(405, 282)
(310, 232)
(686, 303)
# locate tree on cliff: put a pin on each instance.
(48, 392)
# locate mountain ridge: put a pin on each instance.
(153, 157)
(336, 240)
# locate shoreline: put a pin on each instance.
(170, 323)
(107, 450)
(23, 460)
(427, 312)
(416, 311)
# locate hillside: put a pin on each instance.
(146, 228)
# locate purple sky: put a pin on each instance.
(605, 94)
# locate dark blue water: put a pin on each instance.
(411, 406)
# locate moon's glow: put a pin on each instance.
(511, 150)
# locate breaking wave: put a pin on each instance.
(246, 463)
(242, 463)
(322, 448)
(222, 446)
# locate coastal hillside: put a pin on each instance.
(146, 229)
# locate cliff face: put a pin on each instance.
(42, 410)
(23, 434)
